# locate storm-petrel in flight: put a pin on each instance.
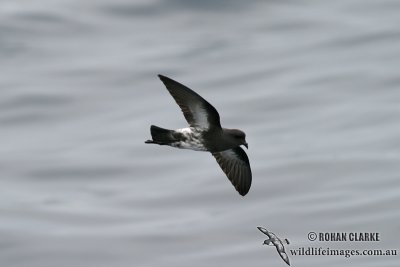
(206, 134)
(273, 240)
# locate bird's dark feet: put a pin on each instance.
(154, 142)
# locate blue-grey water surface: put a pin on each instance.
(314, 84)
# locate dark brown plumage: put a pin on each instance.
(206, 134)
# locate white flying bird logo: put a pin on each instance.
(273, 240)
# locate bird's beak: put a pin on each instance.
(246, 145)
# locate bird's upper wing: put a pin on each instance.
(263, 230)
(197, 111)
(235, 164)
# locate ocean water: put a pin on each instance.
(314, 84)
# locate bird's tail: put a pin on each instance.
(160, 136)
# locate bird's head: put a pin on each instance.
(239, 137)
(268, 242)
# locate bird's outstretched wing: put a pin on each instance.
(284, 256)
(263, 230)
(197, 111)
(235, 164)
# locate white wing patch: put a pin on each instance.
(200, 116)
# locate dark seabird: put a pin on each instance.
(206, 134)
(273, 240)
